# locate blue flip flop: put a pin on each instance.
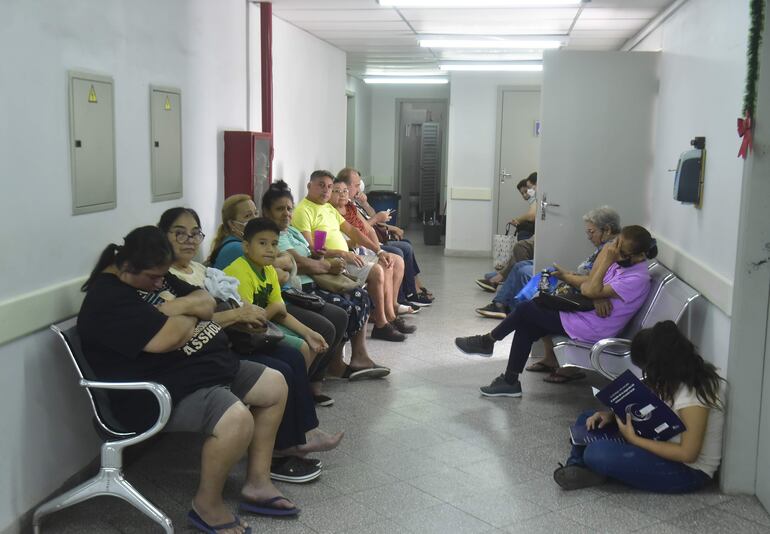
(266, 507)
(196, 521)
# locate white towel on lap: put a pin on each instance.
(221, 286)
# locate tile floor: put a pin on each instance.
(424, 453)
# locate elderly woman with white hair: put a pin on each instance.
(601, 226)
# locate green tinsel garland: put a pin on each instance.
(755, 39)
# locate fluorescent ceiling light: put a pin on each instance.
(497, 57)
(403, 72)
(520, 67)
(406, 80)
(478, 3)
(491, 43)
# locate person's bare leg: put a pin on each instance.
(221, 451)
(390, 313)
(398, 278)
(359, 356)
(316, 441)
(376, 289)
(267, 400)
(337, 364)
(307, 354)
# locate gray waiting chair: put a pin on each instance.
(109, 480)
(668, 299)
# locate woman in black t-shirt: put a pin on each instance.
(130, 333)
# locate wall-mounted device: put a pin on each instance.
(688, 183)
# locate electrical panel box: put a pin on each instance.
(166, 142)
(92, 142)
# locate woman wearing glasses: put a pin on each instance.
(298, 433)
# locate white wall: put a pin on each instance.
(309, 105)
(471, 162)
(195, 45)
(701, 72)
(384, 120)
(363, 121)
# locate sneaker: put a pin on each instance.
(323, 400)
(572, 477)
(493, 310)
(482, 345)
(500, 388)
(293, 470)
(402, 327)
(419, 300)
(486, 285)
(387, 332)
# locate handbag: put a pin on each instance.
(303, 300)
(502, 248)
(245, 340)
(568, 302)
(336, 283)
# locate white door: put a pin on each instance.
(519, 150)
(595, 147)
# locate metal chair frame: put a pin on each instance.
(620, 347)
(109, 480)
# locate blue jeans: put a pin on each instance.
(404, 249)
(634, 466)
(517, 279)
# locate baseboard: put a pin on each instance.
(27, 313)
(458, 253)
(716, 288)
(23, 523)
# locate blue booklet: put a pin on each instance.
(653, 418)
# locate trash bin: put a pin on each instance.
(385, 200)
(432, 234)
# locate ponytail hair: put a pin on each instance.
(643, 242)
(670, 360)
(143, 248)
(277, 190)
(229, 209)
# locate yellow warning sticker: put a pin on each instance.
(92, 95)
(167, 105)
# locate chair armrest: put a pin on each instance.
(598, 349)
(161, 395)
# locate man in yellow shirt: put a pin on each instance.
(315, 213)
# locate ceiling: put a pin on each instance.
(376, 37)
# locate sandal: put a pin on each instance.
(540, 367)
(556, 378)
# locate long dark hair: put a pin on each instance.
(143, 248)
(670, 360)
(277, 190)
(172, 214)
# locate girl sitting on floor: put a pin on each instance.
(691, 386)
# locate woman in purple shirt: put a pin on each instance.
(618, 284)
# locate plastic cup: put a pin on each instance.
(319, 239)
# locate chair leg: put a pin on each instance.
(107, 482)
(122, 488)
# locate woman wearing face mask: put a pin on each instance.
(618, 283)
(227, 247)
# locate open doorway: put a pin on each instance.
(420, 159)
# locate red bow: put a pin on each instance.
(744, 131)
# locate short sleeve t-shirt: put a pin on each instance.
(291, 238)
(309, 216)
(711, 449)
(196, 278)
(230, 250)
(256, 285)
(115, 323)
(631, 284)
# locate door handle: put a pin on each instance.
(503, 175)
(544, 204)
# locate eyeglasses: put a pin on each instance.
(183, 237)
